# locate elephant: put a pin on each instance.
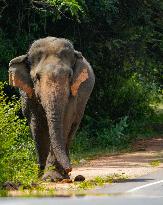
(55, 82)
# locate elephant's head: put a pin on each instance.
(51, 72)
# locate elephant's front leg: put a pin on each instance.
(53, 170)
(39, 132)
(35, 115)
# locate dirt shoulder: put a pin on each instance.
(147, 156)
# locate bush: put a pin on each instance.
(17, 153)
(6, 52)
(133, 98)
(100, 135)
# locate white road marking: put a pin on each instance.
(144, 186)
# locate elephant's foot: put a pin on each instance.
(54, 176)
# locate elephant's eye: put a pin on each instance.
(37, 77)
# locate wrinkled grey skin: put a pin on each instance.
(45, 76)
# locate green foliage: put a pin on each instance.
(113, 136)
(100, 135)
(6, 49)
(6, 53)
(17, 156)
(64, 5)
(155, 163)
(101, 181)
(134, 97)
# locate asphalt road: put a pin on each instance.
(148, 185)
(146, 190)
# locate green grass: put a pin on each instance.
(155, 163)
(76, 188)
(101, 181)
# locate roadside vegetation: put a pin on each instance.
(76, 188)
(123, 41)
(17, 154)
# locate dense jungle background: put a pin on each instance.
(123, 41)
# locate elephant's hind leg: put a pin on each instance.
(71, 134)
(79, 108)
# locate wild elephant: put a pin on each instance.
(55, 82)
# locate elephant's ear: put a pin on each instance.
(81, 73)
(19, 75)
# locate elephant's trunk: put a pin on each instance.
(54, 98)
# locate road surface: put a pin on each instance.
(148, 185)
(146, 190)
